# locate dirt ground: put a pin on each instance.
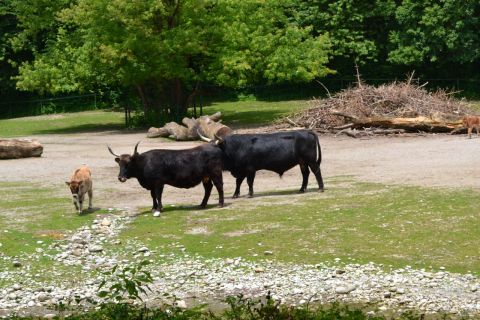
(433, 160)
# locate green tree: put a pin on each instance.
(438, 32)
(162, 48)
(358, 29)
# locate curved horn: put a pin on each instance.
(111, 151)
(217, 137)
(203, 138)
(136, 146)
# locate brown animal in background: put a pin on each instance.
(471, 122)
(80, 184)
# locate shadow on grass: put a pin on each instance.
(184, 208)
(83, 128)
(265, 194)
(247, 118)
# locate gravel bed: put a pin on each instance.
(193, 278)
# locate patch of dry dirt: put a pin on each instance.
(434, 160)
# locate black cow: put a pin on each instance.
(244, 154)
(179, 168)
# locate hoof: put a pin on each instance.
(156, 213)
(221, 205)
(235, 196)
(250, 195)
(301, 191)
(320, 190)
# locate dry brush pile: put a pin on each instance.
(390, 108)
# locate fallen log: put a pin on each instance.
(20, 148)
(208, 126)
(414, 124)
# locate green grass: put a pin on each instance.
(394, 226)
(29, 214)
(235, 114)
(245, 113)
(62, 123)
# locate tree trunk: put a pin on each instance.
(421, 123)
(206, 125)
(20, 148)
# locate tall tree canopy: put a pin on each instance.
(161, 48)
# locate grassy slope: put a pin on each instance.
(62, 123)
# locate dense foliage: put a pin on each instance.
(161, 50)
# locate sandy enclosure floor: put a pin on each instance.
(434, 160)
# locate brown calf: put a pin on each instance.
(471, 122)
(80, 184)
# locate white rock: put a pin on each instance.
(344, 289)
(156, 214)
(95, 248)
(181, 304)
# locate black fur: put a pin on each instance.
(179, 168)
(244, 154)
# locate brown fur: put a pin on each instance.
(81, 183)
(471, 122)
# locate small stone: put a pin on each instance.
(268, 253)
(181, 304)
(340, 271)
(77, 252)
(387, 295)
(474, 289)
(42, 297)
(17, 264)
(39, 250)
(400, 291)
(259, 270)
(95, 248)
(106, 222)
(156, 214)
(229, 261)
(49, 316)
(16, 287)
(31, 303)
(344, 290)
(143, 249)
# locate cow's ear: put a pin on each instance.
(117, 160)
(67, 183)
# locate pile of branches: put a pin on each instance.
(390, 108)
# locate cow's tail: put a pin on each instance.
(318, 155)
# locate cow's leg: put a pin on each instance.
(239, 183)
(80, 203)
(250, 178)
(155, 203)
(207, 185)
(218, 182)
(470, 132)
(318, 175)
(75, 202)
(305, 174)
(90, 195)
(158, 190)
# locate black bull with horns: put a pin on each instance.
(179, 168)
(245, 154)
